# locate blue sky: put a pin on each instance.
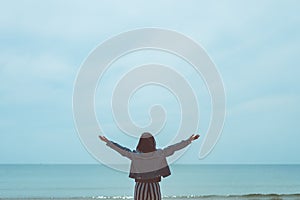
(254, 44)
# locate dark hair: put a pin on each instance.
(146, 143)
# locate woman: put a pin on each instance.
(148, 164)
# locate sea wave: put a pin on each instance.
(192, 197)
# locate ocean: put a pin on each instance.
(209, 182)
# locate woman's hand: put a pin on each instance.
(194, 137)
(103, 138)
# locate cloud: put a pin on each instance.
(254, 44)
(268, 104)
(26, 78)
(75, 20)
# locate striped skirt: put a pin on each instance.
(147, 191)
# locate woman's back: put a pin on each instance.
(148, 164)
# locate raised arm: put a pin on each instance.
(168, 151)
(120, 149)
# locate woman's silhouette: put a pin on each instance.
(148, 164)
